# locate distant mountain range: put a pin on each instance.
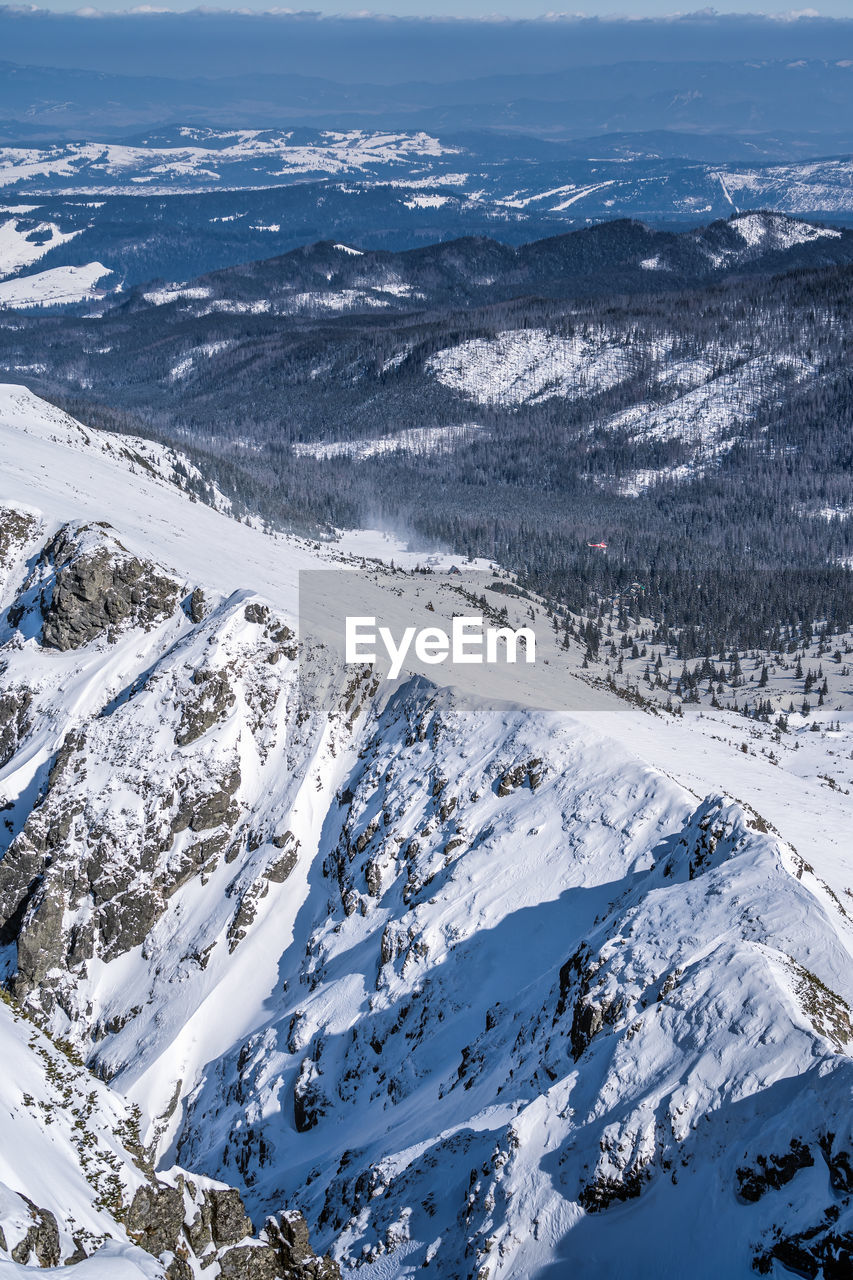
(619, 256)
(788, 108)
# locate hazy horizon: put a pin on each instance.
(397, 49)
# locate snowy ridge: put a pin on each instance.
(26, 415)
(473, 984)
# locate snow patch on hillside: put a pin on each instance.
(412, 440)
(58, 286)
(529, 366)
(709, 416)
(783, 233)
(206, 351)
(176, 293)
(22, 245)
(797, 188)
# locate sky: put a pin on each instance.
(478, 8)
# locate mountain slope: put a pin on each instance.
(77, 1188)
(473, 983)
(617, 256)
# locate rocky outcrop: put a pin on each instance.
(279, 870)
(211, 703)
(821, 1251)
(69, 861)
(41, 1241)
(208, 1223)
(155, 1218)
(251, 1263)
(604, 1191)
(530, 772)
(87, 585)
(17, 529)
(90, 876)
(229, 1222)
(772, 1172)
(14, 721)
(96, 586)
(289, 1236)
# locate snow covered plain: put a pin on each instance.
(493, 989)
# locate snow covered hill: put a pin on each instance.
(482, 987)
(331, 277)
(196, 158)
(504, 173)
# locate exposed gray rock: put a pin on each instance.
(246, 911)
(17, 528)
(197, 605)
(79, 1254)
(256, 612)
(604, 1191)
(251, 1262)
(229, 1221)
(126, 920)
(14, 721)
(41, 941)
(294, 1240)
(773, 1171)
(216, 807)
(279, 870)
(210, 705)
(531, 772)
(179, 1269)
(97, 586)
(155, 1218)
(289, 1235)
(198, 1228)
(310, 1103)
(41, 1240)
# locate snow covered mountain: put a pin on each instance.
(481, 987)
